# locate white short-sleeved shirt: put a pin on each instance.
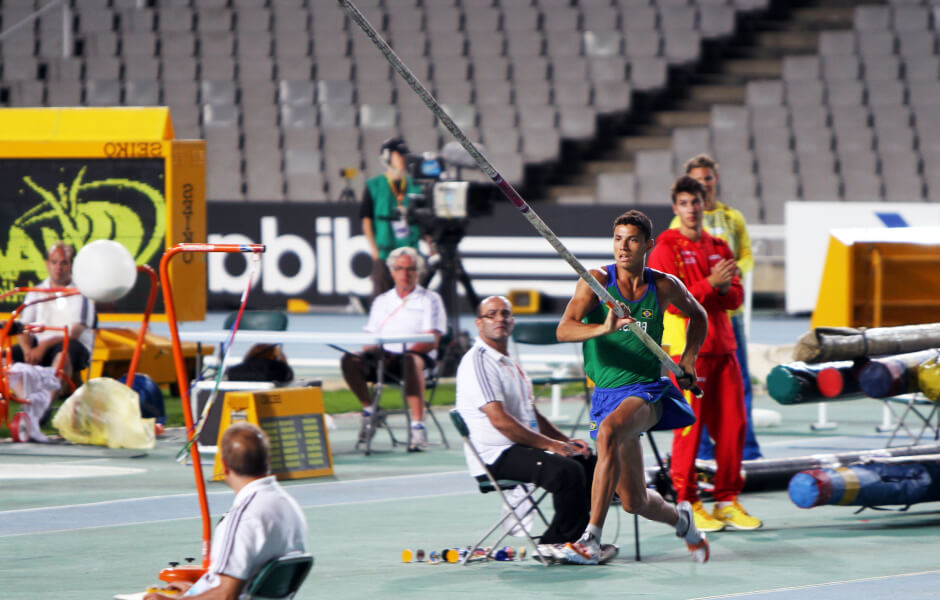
(265, 522)
(486, 375)
(61, 312)
(420, 311)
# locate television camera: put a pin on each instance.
(444, 206)
(442, 211)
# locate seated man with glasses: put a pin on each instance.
(495, 399)
(406, 308)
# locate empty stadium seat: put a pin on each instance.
(577, 122)
(612, 96)
(64, 93)
(653, 189)
(334, 115)
(643, 43)
(690, 141)
(102, 92)
(682, 46)
(616, 188)
(144, 92)
(334, 92)
(765, 93)
(263, 168)
(540, 145)
(797, 68)
(840, 66)
(217, 92)
(220, 116)
(647, 73)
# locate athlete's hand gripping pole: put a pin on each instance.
(507, 189)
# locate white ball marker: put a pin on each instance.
(104, 271)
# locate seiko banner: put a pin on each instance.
(318, 253)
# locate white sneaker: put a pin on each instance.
(419, 438)
(695, 540)
(586, 551)
(366, 429)
(551, 552)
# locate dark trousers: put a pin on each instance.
(381, 278)
(78, 355)
(568, 480)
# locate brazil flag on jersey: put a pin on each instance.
(619, 358)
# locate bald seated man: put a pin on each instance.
(495, 399)
(264, 522)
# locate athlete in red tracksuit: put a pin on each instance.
(706, 266)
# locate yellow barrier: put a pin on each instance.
(880, 278)
(114, 346)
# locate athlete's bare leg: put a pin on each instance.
(635, 497)
(614, 465)
(620, 467)
(626, 422)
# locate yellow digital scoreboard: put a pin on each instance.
(83, 174)
(295, 423)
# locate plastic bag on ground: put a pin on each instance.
(104, 412)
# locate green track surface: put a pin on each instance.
(357, 538)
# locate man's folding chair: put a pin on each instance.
(489, 484)
(258, 320)
(379, 416)
(542, 333)
(918, 405)
(280, 578)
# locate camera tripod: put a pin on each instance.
(446, 236)
(347, 194)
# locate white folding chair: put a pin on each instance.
(488, 484)
(918, 405)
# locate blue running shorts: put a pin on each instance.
(677, 413)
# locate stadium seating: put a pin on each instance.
(291, 85)
(848, 123)
(287, 92)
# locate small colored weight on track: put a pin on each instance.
(406, 556)
(451, 555)
(434, 558)
(419, 555)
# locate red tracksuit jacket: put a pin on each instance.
(692, 261)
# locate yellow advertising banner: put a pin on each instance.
(83, 174)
